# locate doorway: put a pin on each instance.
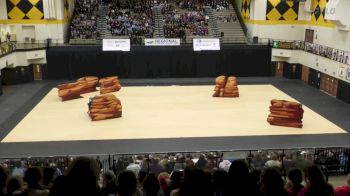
(38, 72)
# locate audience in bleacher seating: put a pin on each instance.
(130, 18)
(192, 23)
(84, 23)
(217, 4)
(200, 4)
(226, 19)
(168, 175)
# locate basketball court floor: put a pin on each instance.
(166, 115)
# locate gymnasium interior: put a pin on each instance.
(175, 82)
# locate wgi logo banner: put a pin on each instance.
(206, 44)
(116, 45)
(162, 42)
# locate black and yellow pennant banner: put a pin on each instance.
(278, 10)
(25, 9)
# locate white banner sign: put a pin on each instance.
(206, 44)
(116, 45)
(162, 42)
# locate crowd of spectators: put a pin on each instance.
(135, 19)
(217, 4)
(171, 175)
(130, 18)
(191, 23)
(226, 19)
(84, 23)
(200, 4)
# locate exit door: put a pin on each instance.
(279, 69)
(38, 72)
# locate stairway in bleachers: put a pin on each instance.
(232, 31)
(158, 22)
(102, 23)
(214, 29)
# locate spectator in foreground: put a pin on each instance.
(14, 186)
(33, 178)
(164, 180)
(127, 184)
(296, 178)
(3, 178)
(175, 182)
(80, 179)
(272, 183)
(151, 185)
(195, 183)
(202, 162)
(109, 183)
(48, 177)
(240, 181)
(315, 183)
(343, 190)
(220, 179)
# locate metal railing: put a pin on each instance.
(333, 160)
(6, 48)
(9, 47)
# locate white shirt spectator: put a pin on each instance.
(225, 165)
(18, 172)
(273, 163)
(134, 168)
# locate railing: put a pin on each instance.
(6, 48)
(9, 47)
(239, 16)
(331, 160)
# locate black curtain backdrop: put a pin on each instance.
(71, 62)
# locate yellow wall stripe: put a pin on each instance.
(32, 21)
(297, 22)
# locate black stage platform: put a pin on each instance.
(18, 100)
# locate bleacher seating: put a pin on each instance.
(84, 22)
(164, 19)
